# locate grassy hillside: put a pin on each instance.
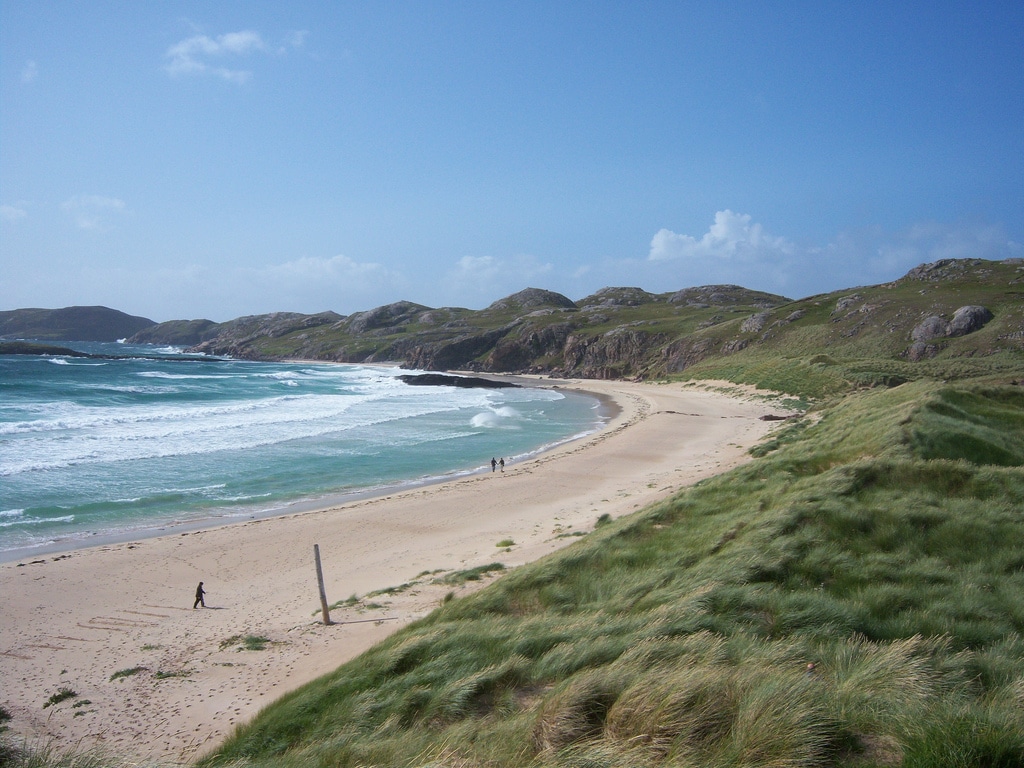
(70, 324)
(863, 337)
(880, 539)
(836, 342)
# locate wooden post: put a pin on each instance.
(320, 581)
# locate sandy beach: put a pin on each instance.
(157, 679)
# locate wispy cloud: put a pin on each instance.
(295, 39)
(336, 269)
(12, 213)
(324, 283)
(736, 249)
(479, 280)
(29, 72)
(92, 212)
(202, 55)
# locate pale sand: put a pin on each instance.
(75, 619)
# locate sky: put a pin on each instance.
(214, 159)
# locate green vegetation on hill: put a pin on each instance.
(970, 311)
(879, 539)
(70, 324)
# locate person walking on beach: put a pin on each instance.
(502, 463)
(199, 596)
(494, 463)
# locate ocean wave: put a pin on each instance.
(246, 497)
(99, 435)
(187, 376)
(153, 389)
(36, 521)
(505, 417)
(206, 439)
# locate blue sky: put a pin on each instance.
(217, 159)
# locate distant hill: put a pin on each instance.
(71, 324)
(949, 310)
(964, 310)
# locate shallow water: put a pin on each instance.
(93, 448)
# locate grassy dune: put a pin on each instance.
(880, 539)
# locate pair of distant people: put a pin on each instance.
(495, 463)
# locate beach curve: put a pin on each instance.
(115, 623)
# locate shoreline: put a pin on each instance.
(115, 624)
(607, 409)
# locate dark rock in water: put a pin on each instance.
(27, 348)
(47, 350)
(444, 380)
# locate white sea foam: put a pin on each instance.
(498, 418)
(37, 521)
(144, 440)
(100, 434)
(186, 376)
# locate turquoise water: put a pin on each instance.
(103, 448)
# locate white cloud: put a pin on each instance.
(476, 281)
(475, 269)
(310, 284)
(196, 55)
(12, 213)
(92, 212)
(732, 235)
(29, 72)
(737, 250)
(179, 289)
(932, 241)
(337, 269)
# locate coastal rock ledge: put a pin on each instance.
(444, 380)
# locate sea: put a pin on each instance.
(152, 440)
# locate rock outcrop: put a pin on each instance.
(965, 320)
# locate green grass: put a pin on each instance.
(161, 674)
(860, 540)
(127, 672)
(58, 755)
(62, 695)
(245, 643)
(470, 574)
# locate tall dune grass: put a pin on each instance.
(853, 597)
(682, 635)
